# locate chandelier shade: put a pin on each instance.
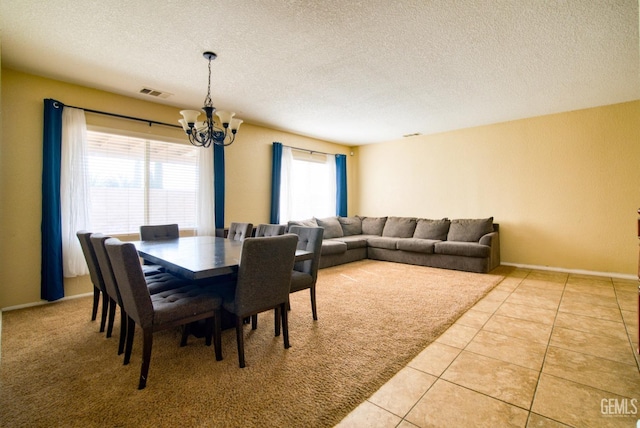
(207, 132)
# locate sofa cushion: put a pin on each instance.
(330, 246)
(417, 245)
(351, 225)
(354, 241)
(399, 227)
(458, 248)
(373, 225)
(306, 223)
(469, 230)
(432, 229)
(331, 225)
(386, 242)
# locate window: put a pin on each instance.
(135, 181)
(308, 186)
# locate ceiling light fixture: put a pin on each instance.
(202, 134)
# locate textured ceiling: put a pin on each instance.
(350, 71)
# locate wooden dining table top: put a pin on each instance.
(198, 257)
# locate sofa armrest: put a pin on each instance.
(488, 238)
(492, 240)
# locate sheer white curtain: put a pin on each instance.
(74, 190)
(307, 186)
(205, 218)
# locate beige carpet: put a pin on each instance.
(374, 317)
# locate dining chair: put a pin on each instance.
(97, 243)
(96, 278)
(305, 273)
(262, 284)
(240, 231)
(167, 309)
(157, 232)
(155, 284)
(270, 230)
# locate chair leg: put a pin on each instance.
(131, 329)
(313, 303)
(96, 300)
(217, 335)
(208, 330)
(105, 310)
(285, 326)
(254, 321)
(240, 340)
(276, 320)
(146, 357)
(123, 331)
(112, 315)
(185, 335)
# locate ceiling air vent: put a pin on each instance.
(155, 93)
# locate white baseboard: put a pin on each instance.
(574, 271)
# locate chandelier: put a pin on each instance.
(202, 134)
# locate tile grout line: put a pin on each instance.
(544, 358)
(634, 350)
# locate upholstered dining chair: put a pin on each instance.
(96, 278)
(171, 308)
(305, 273)
(270, 230)
(155, 284)
(157, 232)
(240, 231)
(97, 244)
(264, 274)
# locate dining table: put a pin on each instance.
(198, 257)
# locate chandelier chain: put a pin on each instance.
(207, 100)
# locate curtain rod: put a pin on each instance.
(311, 151)
(121, 116)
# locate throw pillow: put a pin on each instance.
(351, 225)
(469, 230)
(399, 227)
(432, 229)
(306, 223)
(332, 228)
(373, 225)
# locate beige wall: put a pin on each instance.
(565, 188)
(248, 170)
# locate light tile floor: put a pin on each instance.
(542, 349)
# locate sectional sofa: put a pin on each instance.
(471, 245)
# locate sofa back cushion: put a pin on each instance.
(351, 225)
(399, 227)
(469, 230)
(432, 229)
(373, 225)
(332, 228)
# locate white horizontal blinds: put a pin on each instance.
(135, 181)
(116, 182)
(173, 184)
